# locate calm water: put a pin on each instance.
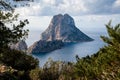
(93, 26)
(69, 52)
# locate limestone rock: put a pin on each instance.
(60, 31)
(62, 27)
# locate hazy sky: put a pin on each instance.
(72, 7)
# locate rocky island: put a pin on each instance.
(62, 27)
(61, 30)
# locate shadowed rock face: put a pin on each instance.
(45, 46)
(62, 27)
(21, 45)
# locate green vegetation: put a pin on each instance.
(104, 65)
(13, 33)
(16, 65)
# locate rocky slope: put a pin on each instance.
(62, 27)
(21, 45)
(45, 46)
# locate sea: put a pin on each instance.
(91, 25)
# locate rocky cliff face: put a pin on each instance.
(62, 27)
(21, 45)
(45, 46)
(61, 30)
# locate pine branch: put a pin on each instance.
(5, 5)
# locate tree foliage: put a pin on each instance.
(114, 36)
(5, 5)
(103, 65)
(11, 33)
(15, 32)
(17, 59)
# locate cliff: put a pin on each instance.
(61, 30)
(62, 27)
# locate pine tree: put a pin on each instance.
(113, 39)
(5, 5)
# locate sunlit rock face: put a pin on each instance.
(60, 31)
(62, 27)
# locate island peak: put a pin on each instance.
(62, 27)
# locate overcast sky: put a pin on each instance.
(72, 7)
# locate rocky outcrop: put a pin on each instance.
(45, 46)
(21, 45)
(61, 30)
(62, 27)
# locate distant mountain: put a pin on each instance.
(61, 30)
(62, 27)
(21, 45)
